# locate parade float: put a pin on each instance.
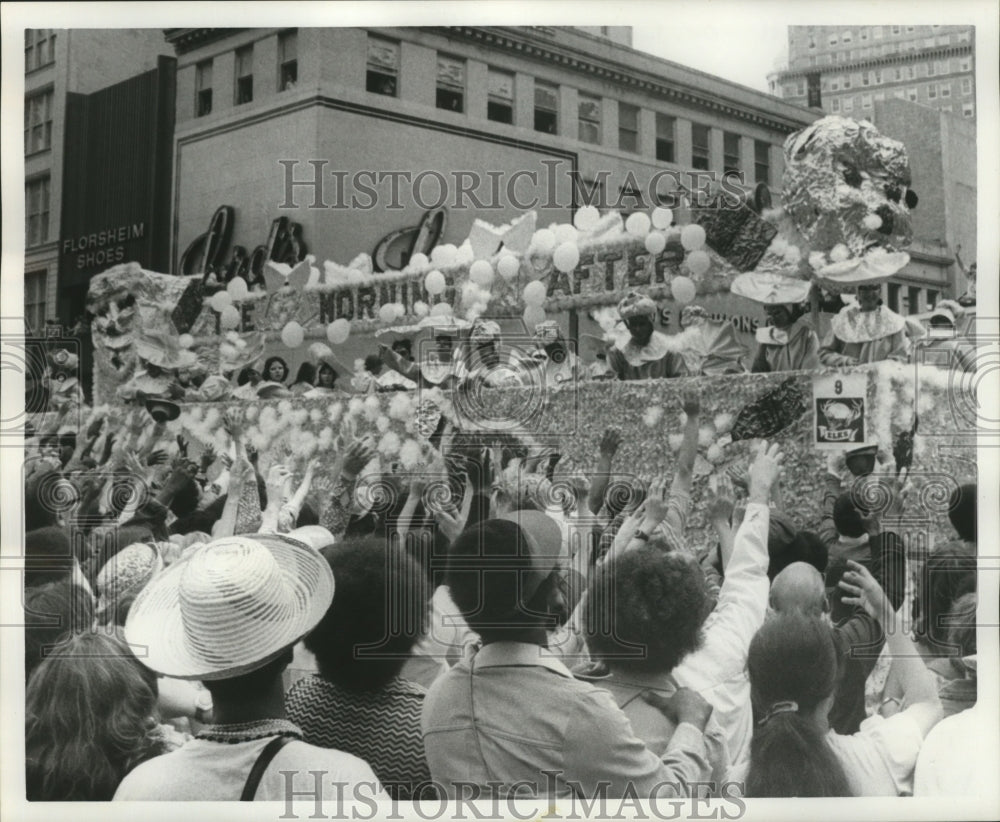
(843, 221)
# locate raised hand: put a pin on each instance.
(182, 445)
(691, 401)
(657, 499)
(764, 472)
(865, 592)
(611, 440)
(232, 422)
(358, 454)
(207, 457)
(157, 457)
(721, 502)
(277, 481)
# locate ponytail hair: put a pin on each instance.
(792, 664)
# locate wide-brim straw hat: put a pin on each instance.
(229, 607)
(770, 289)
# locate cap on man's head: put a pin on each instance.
(636, 305)
(497, 566)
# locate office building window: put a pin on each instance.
(911, 72)
(39, 48)
(699, 147)
(730, 152)
(913, 300)
(898, 73)
(36, 197)
(892, 297)
(930, 68)
(877, 76)
(833, 40)
(500, 96)
(848, 104)
(911, 95)
(847, 38)
(589, 119)
(932, 91)
(762, 162)
(382, 76)
(244, 75)
(929, 43)
(944, 40)
(812, 42)
(288, 59)
(847, 81)
(910, 28)
(666, 129)
(628, 127)
(834, 83)
(947, 109)
(879, 96)
(966, 86)
(801, 90)
(965, 64)
(899, 94)
(451, 83)
(945, 89)
(835, 105)
(968, 110)
(896, 29)
(35, 286)
(964, 37)
(932, 298)
(203, 88)
(877, 32)
(865, 78)
(866, 101)
(38, 122)
(863, 34)
(546, 108)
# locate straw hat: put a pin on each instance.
(163, 350)
(229, 607)
(126, 573)
(770, 289)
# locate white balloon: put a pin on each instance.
(230, 317)
(544, 240)
(441, 310)
(338, 331)
(481, 273)
(238, 288)
(586, 218)
(508, 266)
(534, 293)
(418, 260)
(399, 310)
(435, 282)
(293, 335)
(692, 237)
(566, 233)
(421, 309)
(655, 242)
(220, 300)
(683, 290)
(566, 257)
(387, 312)
(698, 262)
(185, 340)
(445, 254)
(533, 315)
(662, 217)
(637, 224)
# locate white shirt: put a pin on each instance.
(718, 669)
(959, 757)
(879, 759)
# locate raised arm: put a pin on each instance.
(611, 439)
(683, 473)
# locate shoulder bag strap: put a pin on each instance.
(257, 772)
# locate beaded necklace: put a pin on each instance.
(237, 732)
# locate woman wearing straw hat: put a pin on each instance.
(789, 341)
(229, 614)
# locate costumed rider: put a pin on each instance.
(558, 364)
(65, 391)
(865, 331)
(647, 353)
(442, 367)
(789, 341)
(487, 368)
(709, 347)
(160, 357)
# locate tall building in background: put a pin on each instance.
(847, 69)
(616, 34)
(59, 63)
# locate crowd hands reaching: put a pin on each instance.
(530, 619)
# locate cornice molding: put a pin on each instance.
(609, 71)
(184, 40)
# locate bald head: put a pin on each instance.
(799, 588)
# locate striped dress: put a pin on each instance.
(381, 727)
